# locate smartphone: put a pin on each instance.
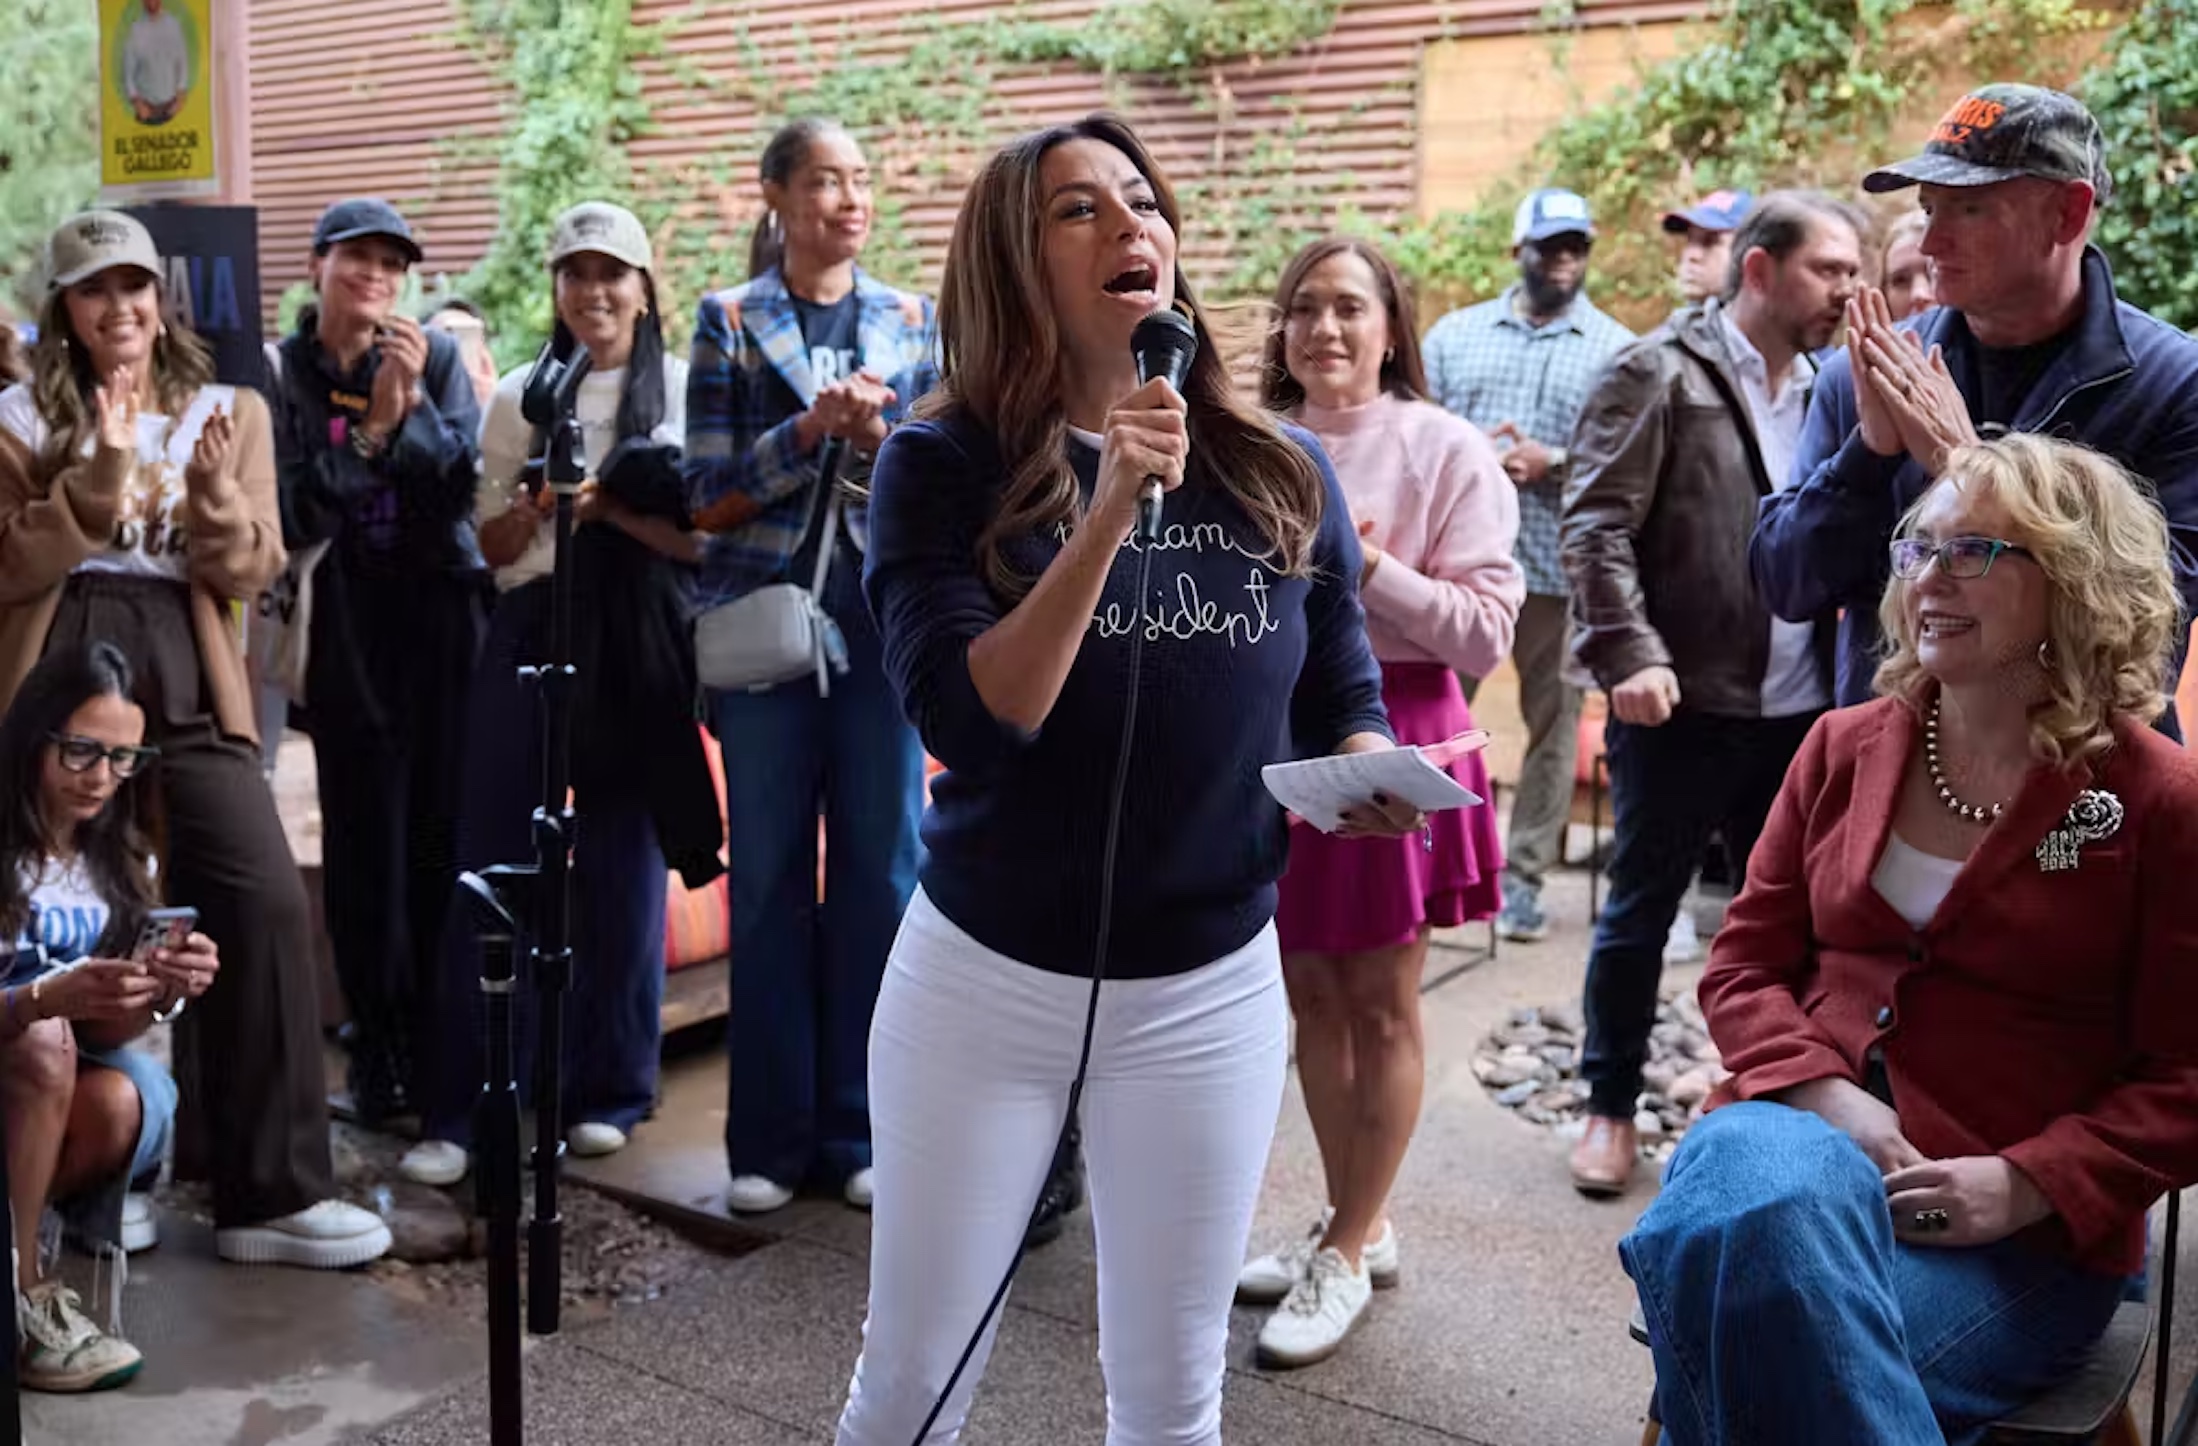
(163, 929)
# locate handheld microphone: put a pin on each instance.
(1164, 345)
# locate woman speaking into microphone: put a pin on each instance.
(1005, 573)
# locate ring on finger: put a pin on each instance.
(1934, 1221)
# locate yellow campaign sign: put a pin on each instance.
(156, 98)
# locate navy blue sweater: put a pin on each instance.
(1242, 667)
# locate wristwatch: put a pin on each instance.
(1558, 458)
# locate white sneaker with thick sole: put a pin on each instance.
(333, 1235)
(1320, 1310)
(595, 1138)
(435, 1162)
(139, 1230)
(757, 1195)
(862, 1188)
(1268, 1279)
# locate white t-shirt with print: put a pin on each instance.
(150, 537)
(67, 917)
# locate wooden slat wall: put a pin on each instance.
(378, 100)
(368, 100)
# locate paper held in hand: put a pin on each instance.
(1318, 790)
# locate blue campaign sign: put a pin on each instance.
(212, 281)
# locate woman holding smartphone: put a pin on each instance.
(86, 1117)
(137, 507)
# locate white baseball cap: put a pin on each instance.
(98, 241)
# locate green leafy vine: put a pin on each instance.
(2146, 98)
(570, 72)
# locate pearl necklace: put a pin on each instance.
(1967, 812)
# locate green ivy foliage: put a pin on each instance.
(1765, 93)
(574, 102)
(1165, 37)
(2145, 95)
(49, 134)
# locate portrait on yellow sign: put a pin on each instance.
(156, 98)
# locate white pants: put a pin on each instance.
(971, 1055)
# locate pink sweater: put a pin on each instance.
(1445, 517)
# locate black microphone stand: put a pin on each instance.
(534, 899)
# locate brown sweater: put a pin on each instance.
(49, 524)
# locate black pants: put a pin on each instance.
(389, 748)
(248, 1052)
(1670, 787)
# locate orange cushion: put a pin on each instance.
(698, 923)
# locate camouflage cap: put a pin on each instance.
(1999, 132)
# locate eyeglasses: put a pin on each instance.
(81, 755)
(1958, 557)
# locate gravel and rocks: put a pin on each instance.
(1530, 1064)
(613, 1256)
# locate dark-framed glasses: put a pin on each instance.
(1958, 557)
(81, 755)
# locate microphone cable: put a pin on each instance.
(1098, 975)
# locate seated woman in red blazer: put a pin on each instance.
(1959, 995)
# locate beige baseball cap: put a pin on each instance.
(609, 230)
(98, 241)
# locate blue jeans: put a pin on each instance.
(1671, 787)
(805, 978)
(1782, 1310)
(614, 1013)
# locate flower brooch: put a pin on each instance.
(2094, 816)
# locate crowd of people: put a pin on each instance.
(1877, 654)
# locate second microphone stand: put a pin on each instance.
(531, 901)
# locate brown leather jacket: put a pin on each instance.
(1666, 474)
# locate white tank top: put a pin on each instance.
(1913, 882)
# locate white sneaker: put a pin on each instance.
(862, 1188)
(332, 1235)
(1271, 1277)
(1317, 1314)
(1682, 945)
(756, 1195)
(139, 1230)
(63, 1350)
(435, 1162)
(595, 1138)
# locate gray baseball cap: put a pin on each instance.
(608, 230)
(98, 241)
(2000, 132)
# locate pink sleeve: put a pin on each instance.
(1462, 599)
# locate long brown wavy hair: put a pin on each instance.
(1402, 375)
(62, 382)
(1000, 355)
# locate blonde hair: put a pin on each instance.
(62, 383)
(2112, 611)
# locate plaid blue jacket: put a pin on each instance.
(747, 381)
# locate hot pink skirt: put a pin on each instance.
(1348, 896)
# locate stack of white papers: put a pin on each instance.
(1318, 790)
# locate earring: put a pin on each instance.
(2045, 655)
(1388, 356)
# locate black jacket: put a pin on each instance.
(1667, 473)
